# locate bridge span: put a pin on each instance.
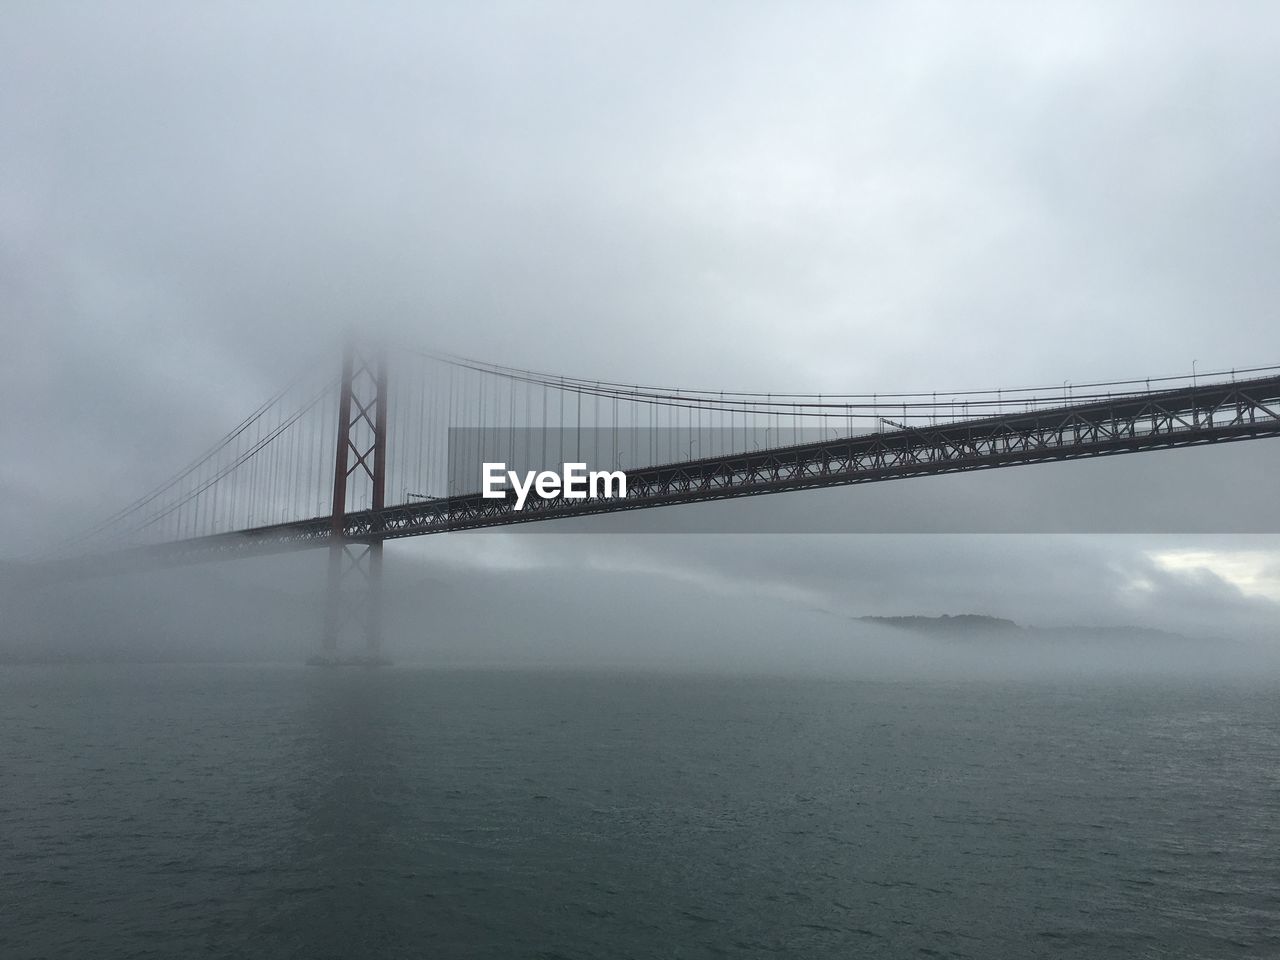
(432, 434)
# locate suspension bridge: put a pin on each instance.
(392, 445)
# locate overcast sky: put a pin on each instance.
(819, 197)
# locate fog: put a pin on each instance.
(739, 604)
(195, 202)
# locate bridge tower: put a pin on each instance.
(353, 599)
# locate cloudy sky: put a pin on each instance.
(819, 197)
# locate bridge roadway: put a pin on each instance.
(1132, 423)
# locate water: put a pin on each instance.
(182, 811)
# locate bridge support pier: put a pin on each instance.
(353, 599)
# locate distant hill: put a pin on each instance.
(973, 625)
(963, 623)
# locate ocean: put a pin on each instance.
(282, 811)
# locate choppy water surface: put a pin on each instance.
(185, 811)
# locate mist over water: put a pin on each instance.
(763, 604)
(279, 811)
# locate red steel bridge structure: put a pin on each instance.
(392, 448)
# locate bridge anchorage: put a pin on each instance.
(395, 447)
